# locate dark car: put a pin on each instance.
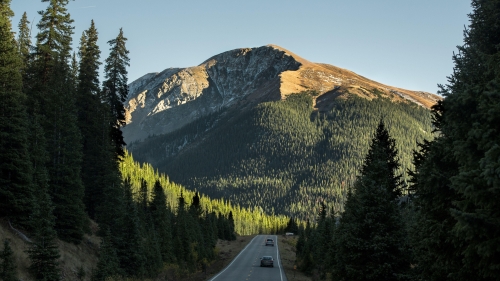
(267, 261)
(269, 242)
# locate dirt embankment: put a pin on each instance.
(287, 249)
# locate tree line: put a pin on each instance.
(447, 228)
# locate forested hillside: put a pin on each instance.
(283, 156)
(448, 228)
(64, 168)
(246, 221)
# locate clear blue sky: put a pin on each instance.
(402, 43)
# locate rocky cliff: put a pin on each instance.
(162, 102)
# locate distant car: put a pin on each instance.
(267, 261)
(269, 242)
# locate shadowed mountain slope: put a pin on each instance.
(269, 130)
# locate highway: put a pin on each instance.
(246, 265)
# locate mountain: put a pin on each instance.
(163, 102)
(269, 130)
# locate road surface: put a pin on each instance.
(246, 265)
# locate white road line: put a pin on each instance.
(278, 257)
(234, 259)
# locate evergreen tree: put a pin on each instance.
(89, 119)
(108, 264)
(128, 241)
(16, 201)
(43, 251)
(116, 89)
(162, 220)
(371, 232)
(230, 221)
(53, 88)
(292, 226)
(7, 265)
(24, 39)
(435, 254)
(468, 143)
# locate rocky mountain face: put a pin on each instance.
(161, 103)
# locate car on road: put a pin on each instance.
(267, 261)
(269, 242)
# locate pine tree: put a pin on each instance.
(7, 266)
(371, 232)
(436, 256)
(24, 39)
(230, 220)
(16, 201)
(108, 264)
(116, 89)
(162, 221)
(469, 143)
(128, 238)
(43, 251)
(53, 88)
(90, 119)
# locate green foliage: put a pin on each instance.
(116, 89)
(247, 221)
(162, 220)
(128, 243)
(49, 84)
(108, 264)
(457, 181)
(283, 157)
(7, 264)
(371, 232)
(16, 200)
(93, 122)
(43, 251)
(435, 253)
(24, 39)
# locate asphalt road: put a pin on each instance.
(246, 265)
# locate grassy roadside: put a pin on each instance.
(286, 246)
(228, 250)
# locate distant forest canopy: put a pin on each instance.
(246, 221)
(283, 156)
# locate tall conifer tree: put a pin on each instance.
(129, 242)
(16, 201)
(162, 220)
(436, 256)
(371, 232)
(90, 118)
(116, 89)
(24, 39)
(470, 140)
(53, 88)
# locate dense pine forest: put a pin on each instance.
(63, 163)
(448, 227)
(284, 157)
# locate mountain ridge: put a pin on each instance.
(163, 102)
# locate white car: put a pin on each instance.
(269, 242)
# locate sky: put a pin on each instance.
(402, 43)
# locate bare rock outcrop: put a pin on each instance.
(160, 103)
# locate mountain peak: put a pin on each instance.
(162, 102)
